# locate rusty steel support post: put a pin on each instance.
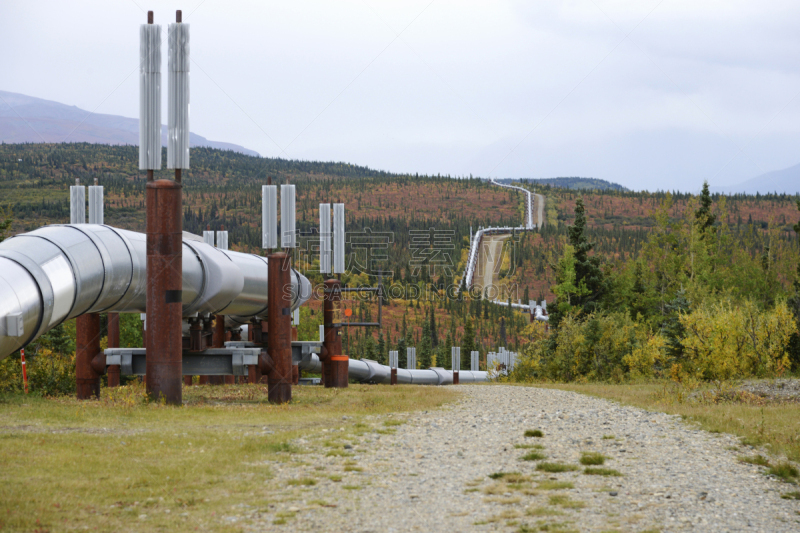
(164, 375)
(335, 366)
(87, 344)
(279, 320)
(393, 377)
(218, 341)
(455, 377)
(113, 342)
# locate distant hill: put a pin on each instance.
(786, 181)
(28, 119)
(572, 183)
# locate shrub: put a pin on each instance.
(725, 341)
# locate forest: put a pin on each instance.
(701, 297)
(650, 264)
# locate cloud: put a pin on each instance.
(633, 92)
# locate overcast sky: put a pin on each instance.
(647, 93)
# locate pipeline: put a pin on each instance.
(59, 272)
(368, 371)
(475, 245)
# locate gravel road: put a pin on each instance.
(490, 260)
(431, 472)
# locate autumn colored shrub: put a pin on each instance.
(725, 341)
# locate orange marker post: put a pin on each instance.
(24, 370)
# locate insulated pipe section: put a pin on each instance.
(368, 371)
(56, 273)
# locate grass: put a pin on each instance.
(555, 467)
(794, 495)
(774, 425)
(529, 446)
(784, 471)
(592, 459)
(534, 433)
(601, 472)
(543, 511)
(759, 460)
(609, 437)
(564, 501)
(101, 464)
(549, 484)
(533, 456)
(510, 477)
(307, 482)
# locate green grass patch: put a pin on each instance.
(351, 487)
(306, 482)
(338, 453)
(533, 456)
(390, 423)
(601, 472)
(501, 475)
(202, 458)
(592, 459)
(785, 471)
(759, 460)
(550, 484)
(794, 495)
(564, 501)
(555, 468)
(534, 433)
(609, 437)
(543, 511)
(529, 446)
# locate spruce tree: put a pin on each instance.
(703, 217)
(382, 356)
(587, 268)
(794, 305)
(467, 344)
(434, 336)
(425, 352)
(402, 358)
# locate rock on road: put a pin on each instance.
(433, 472)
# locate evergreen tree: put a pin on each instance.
(434, 336)
(672, 328)
(444, 353)
(703, 217)
(382, 356)
(587, 268)
(794, 305)
(425, 352)
(402, 358)
(467, 344)
(502, 335)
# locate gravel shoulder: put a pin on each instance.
(430, 471)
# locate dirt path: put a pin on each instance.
(538, 206)
(490, 261)
(443, 471)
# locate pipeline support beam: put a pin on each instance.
(87, 344)
(335, 365)
(279, 324)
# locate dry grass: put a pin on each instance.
(121, 464)
(775, 426)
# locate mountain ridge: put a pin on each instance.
(30, 119)
(785, 180)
